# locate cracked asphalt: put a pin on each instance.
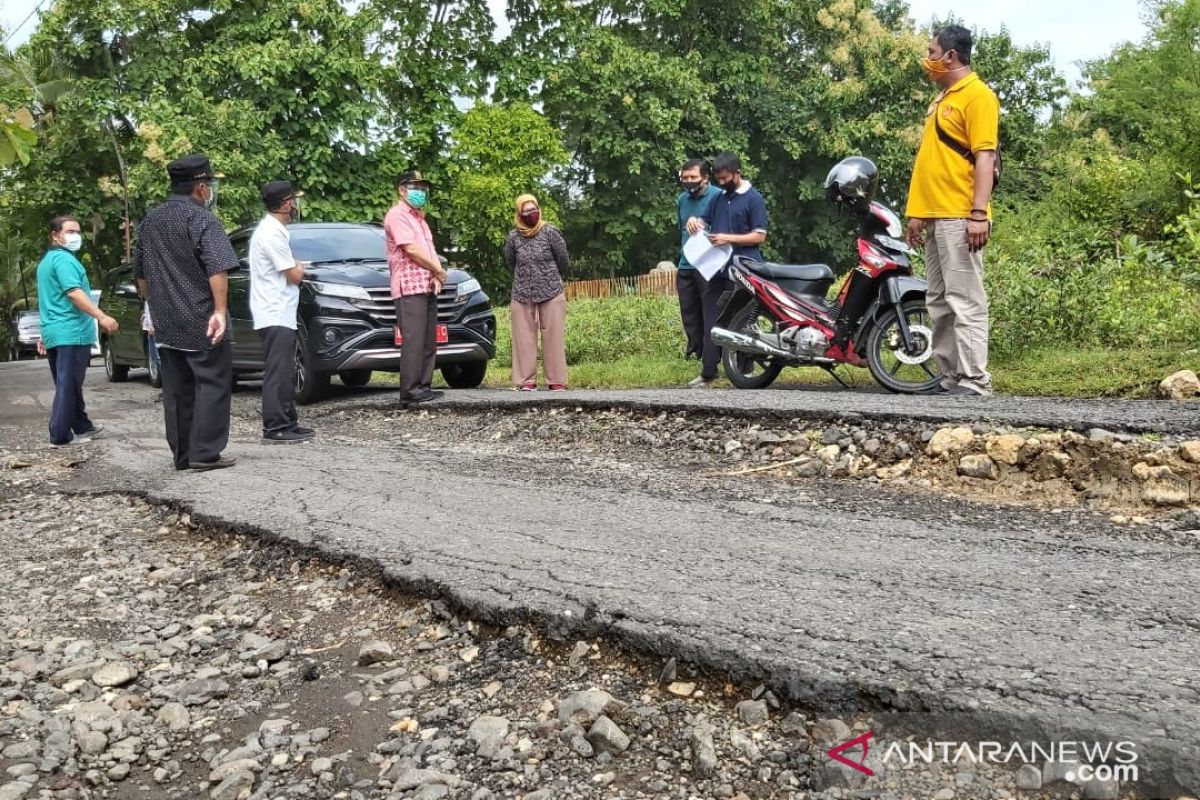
(842, 598)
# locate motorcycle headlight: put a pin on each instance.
(339, 290)
(466, 289)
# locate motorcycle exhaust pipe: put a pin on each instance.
(742, 343)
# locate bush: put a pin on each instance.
(1088, 266)
(610, 329)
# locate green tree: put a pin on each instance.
(497, 153)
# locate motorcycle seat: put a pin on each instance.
(788, 272)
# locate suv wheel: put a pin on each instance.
(467, 375)
(310, 385)
(355, 378)
(117, 373)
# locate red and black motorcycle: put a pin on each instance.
(777, 315)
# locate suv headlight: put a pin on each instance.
(339, 290)
(467, 288)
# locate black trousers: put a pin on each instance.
(68, 414)
(279, 378)
(417, 315)
(690, 284)
(197, 389)
(712, 309)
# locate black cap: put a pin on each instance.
(192, 168)
(275, 192)
(413, 176)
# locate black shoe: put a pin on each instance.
(220, 463)
(423, 397)
(287, 436)
(302, 431)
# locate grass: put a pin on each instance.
(637, 342)
(1090, 372)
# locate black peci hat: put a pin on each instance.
(413, 176)
(275, 192)
(192, 168)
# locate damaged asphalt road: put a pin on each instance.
(839, 598)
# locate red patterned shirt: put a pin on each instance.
(402, 226)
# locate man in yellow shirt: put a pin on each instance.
(949, 211)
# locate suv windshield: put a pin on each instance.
(347, 243)
(28, 320)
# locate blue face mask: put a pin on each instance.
(417, 198)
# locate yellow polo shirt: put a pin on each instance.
(943, 182)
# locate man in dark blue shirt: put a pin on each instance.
(693, 201)
(737, 217)
(181, 264)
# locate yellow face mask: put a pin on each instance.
(935, 69)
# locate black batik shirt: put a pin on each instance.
(180, 245)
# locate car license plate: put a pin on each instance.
(442, 335)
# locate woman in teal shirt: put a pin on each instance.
(66, 310)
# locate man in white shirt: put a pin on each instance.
(275, 277)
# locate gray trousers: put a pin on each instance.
(417, 315)
(279, 378)
(957, 304)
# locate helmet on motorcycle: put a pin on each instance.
(852, 182)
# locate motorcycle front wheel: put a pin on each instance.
(896, 369)
(747, 370)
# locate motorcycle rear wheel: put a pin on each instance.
(746, 370)
(894, 369)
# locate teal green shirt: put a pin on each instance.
(62, 323)
(687, 207)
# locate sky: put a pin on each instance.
(1076, 30)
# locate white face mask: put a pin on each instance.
(72, 241)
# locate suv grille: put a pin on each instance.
(382, 308)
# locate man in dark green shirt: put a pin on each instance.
(693, 201)
(66, 310)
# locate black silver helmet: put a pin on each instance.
(852, 182)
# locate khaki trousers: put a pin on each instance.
(527, 319)
(957, 304)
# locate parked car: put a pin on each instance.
(26, 333)
(129, 347)
(96, 325)
(346, 316)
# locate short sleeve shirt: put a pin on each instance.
(742, 211)
(273, 300)
(58, 273)
(943, 182)
(181, 244)
(403, 226)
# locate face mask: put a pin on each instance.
(531, 218)
(72, 241)
(935, 69)
(691, 187)
(417, 198)
(730, 186)
(294, 212)
(212, 195)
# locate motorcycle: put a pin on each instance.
(777, 315)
